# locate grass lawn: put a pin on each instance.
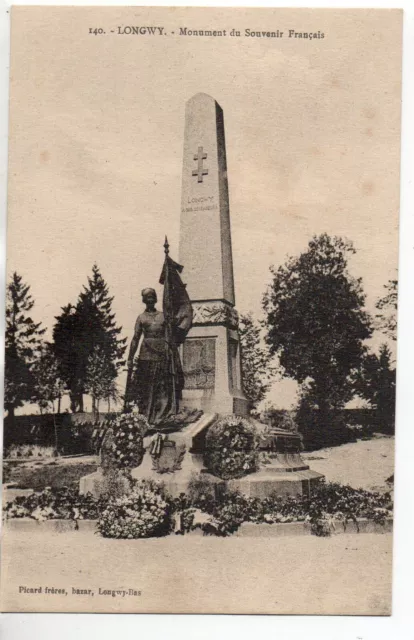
(55, 472)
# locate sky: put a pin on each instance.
(96, 141)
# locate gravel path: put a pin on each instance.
(345, 574)
(364, 464)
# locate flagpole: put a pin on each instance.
(168, 327)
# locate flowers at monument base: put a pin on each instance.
(233, 509)
(145, 512)
(330, 505)
(64, 503)
(127, 441)
(231, 447)
(324, 525)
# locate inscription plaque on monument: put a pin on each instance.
(199, 357)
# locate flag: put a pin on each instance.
(177, 308)
(178, 315)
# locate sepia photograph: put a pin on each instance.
(201, 310)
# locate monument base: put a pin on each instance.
(211, 363)
(225, 404)
(281, 473)
(262, 484)
(177, 466)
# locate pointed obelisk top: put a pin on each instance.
(201, 97)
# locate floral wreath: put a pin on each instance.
(127, 447)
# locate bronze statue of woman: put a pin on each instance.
(151, 386)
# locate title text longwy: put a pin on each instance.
(129, 30)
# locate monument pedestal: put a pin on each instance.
(280, 482)
(211, 361)
(181, 461)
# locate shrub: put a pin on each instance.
(230, 513)
(141, 509)
(279, 418)
(202, 492)
(322, 526)
(144, 513)
(279, 509)
(345, 503)
(321, 429)
(328, 503)
(232, 509)
(231, 448)
(184, 510)
(127, 440)
(115, 484)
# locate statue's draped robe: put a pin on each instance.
(151, 387)
(157, 379)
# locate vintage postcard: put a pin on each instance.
(200, 360)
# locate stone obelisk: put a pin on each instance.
(211, 352)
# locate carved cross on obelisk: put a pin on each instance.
(200, 172)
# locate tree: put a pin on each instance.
(84, 333)
(375, 382)
(69, 346)
(317, 323)
(98, 292)
(255, 360)
(100, 382)
(23, 339)
(48, 386)
(387, 319)
(107, 349)
(111, 394)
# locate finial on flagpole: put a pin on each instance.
(166, 246)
